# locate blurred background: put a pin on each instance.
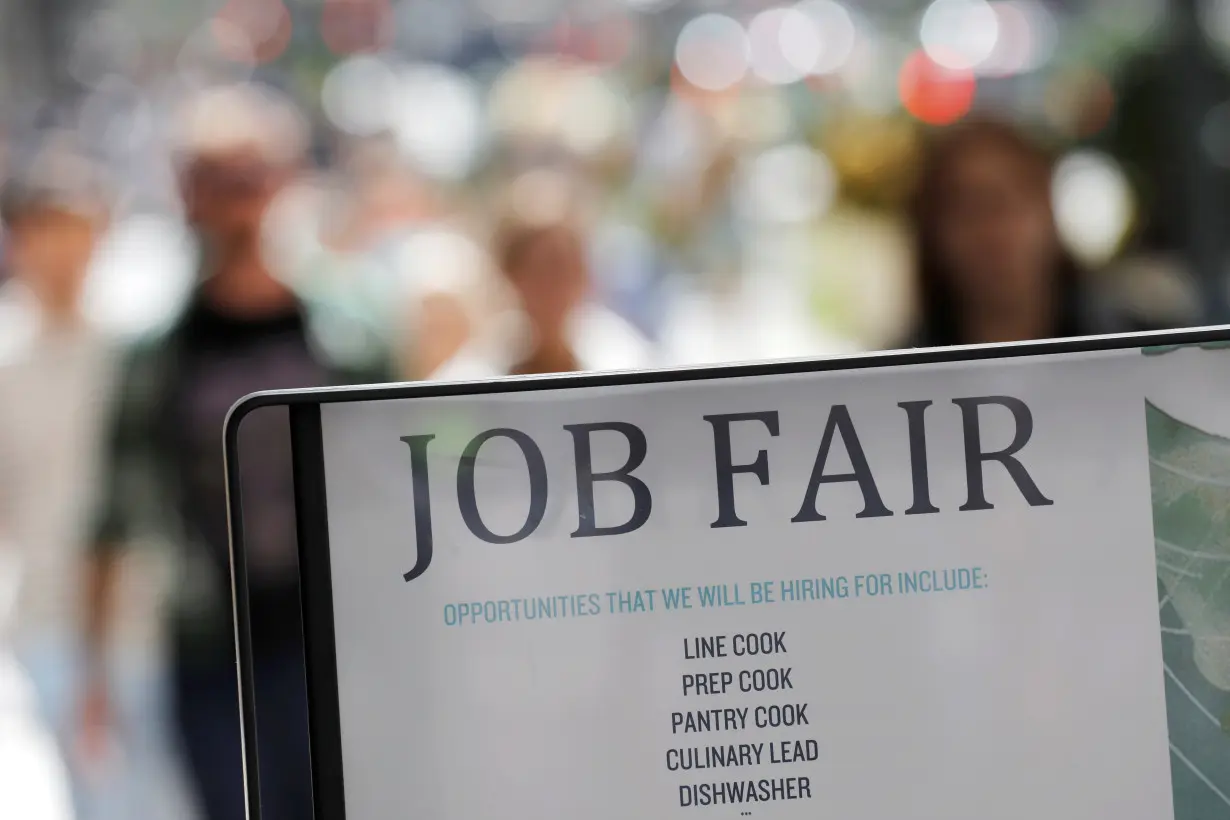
(204, 198)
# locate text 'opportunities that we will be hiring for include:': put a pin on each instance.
(723, 753)
(742, 731)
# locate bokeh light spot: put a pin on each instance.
(593, 114)
(787, 184)
(436, 116)
(959, 34)
(356, 93)
(835, 30)
(713, 52)
(1026, 41)
(785, 44)
(141, 275)
(1093, 205)
(934, 94)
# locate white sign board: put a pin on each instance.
(965, 588)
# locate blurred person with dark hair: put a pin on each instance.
(55, 369)
(242, 330)
(990, 264)
(540, 251)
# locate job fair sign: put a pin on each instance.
(957, 588)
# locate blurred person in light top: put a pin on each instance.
(990, 266)
(540, 250)
(54, 371)
(242, 330)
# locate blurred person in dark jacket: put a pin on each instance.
(990, 266)
(242, 330)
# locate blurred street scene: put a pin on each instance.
(203, 198)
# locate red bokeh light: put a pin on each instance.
(934, 94)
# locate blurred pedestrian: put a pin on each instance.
(990, 266)
(56, 369)
(242, 330)
(540, 250)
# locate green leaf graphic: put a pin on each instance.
(1190, 478)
